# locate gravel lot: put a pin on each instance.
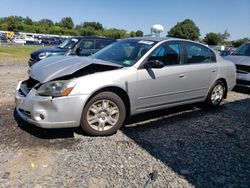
(184, 147)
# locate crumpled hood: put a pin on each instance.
(239, 60)
(58, 66)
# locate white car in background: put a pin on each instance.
(241, 58)
(19, 40)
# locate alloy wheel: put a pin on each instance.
(103, 115)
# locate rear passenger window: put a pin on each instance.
(169, 54)
(102, 43)
(197, 53)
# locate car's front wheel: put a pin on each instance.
(216, 94)
(103, 115)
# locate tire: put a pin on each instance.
(215, 95)
(103, 115)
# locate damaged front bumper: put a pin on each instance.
(48, 112)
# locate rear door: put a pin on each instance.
(202, 68)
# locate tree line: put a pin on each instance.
(65, 26)
(186, 29)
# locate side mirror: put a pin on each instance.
(78, 50)
(154, 64)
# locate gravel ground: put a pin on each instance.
(183, 147)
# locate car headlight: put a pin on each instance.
(56, 88)
(43, 55)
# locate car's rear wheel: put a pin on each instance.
(103, 115)
(216, 94)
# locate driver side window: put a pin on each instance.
(87, 44)
(168, 53)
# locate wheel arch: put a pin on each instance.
(117, 90)
(226, 87)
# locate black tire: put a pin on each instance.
(209, 102)
(114, 99)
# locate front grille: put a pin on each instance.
(243, 68)
(243, 82)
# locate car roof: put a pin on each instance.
(150, 38)
(159, 39)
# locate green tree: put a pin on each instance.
(57, 30)
(186, 30)
(4, 26)
(94, 25)
(46, 23)
(139, 33)
(132, 34)
(67, 22)
(213, 38)
(87, 31)
(115, 33)
(27, 20)
(239, 42)
(12, 22)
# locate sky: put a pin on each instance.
(131, 15)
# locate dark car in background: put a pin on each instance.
(241, 58)
(81, 46)
(52, 41)
(3, 39)
(226, 52)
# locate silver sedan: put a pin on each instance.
(128, 77)
(241, 58)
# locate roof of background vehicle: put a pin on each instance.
(92, 37)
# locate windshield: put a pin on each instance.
(68, 43)
(243, 50)
(125, 52)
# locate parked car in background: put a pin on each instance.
(241, 58)
(19, 39)
(128, 77)
(51, 41)
(3, 39)
(226, 52)
(81, 46)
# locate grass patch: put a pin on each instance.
(21, 53)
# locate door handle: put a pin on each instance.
(181, 75)
(214, 70)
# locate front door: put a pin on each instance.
(159, 87)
